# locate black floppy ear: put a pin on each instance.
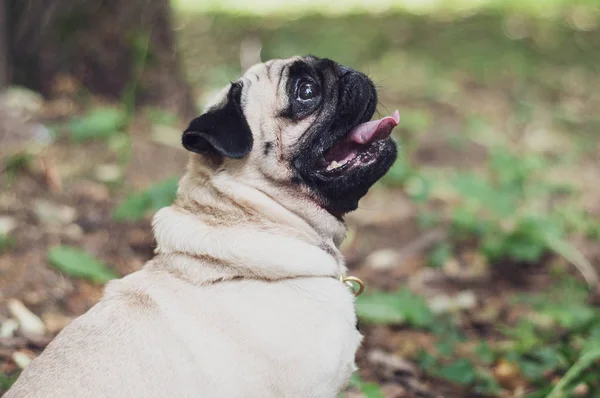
(223, 130)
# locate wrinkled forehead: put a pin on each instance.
(274, 70)
(267, 81)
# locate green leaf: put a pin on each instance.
(428, 219)
(539, 362)
(471, 186)
(136, 206)
(98, 123)
(16, 163)
(484, 353)
(446, 347)
(479, 195)
(133, 208)
(440, 255)
(416, 310)
(566, 304)
(380, 308)
(355, 380)
(524, 250)
(525, 334)
(465, 221)
(6, 242)
(542, 392)
(460, 371)
(571, 316)
(161, 116)
(371, 390)
(390, 308)
(6, 381)
(79, 264)
(485, 383)
(493, 246)
(593, 340)
(427, 361)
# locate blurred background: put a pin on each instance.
(480, 248)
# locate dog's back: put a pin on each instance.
(155, 335)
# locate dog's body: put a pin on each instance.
(242, 298)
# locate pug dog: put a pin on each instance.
(244, 296)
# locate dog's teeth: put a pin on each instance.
(333, 165)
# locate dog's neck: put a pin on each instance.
(245, 232)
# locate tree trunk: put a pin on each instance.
(3, 47)
(113, 48)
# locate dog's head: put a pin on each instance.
(303, 122)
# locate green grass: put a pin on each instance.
(575, 372)
(7, 381)
(558, 335)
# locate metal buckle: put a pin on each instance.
(355, 284)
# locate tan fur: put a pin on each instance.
(241, 299)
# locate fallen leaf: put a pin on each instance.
(98, 123)
(80, 264)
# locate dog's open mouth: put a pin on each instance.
(360, 146)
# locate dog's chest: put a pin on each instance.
(293, 338)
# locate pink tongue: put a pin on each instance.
(375, 129)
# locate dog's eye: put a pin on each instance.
(307, 91)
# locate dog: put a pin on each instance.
(243, 297)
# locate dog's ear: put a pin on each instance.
(222, 130)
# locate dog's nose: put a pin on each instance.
(343, 70)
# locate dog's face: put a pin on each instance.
(302, 122)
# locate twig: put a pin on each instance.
(574, 256)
